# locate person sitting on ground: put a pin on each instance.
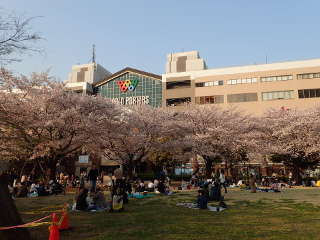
(142, 186)
(81, 201)
(91, 202)
(34, 188)
(205, 190)
(275, 186)
(202, 200)
(137, 186)
(42, 190)
(150, 187)
(22, 190)
(161, 187)
(100, 200)
(155, 184)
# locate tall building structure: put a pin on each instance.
(84, 76)
(252, 88)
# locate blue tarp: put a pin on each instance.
(141, 195)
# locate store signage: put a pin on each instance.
(137, 100)
(84, 159)
(128, 85)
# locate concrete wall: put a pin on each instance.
(183, 62)
(252, 71)
(90, 73)
(83, 76)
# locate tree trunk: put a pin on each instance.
(208, 162)
(128, 169)
(9, 215)
(53, 169)
(296, 175)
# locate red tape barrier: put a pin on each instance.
(30, 224)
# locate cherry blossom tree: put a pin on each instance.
(139, 132)
(291, 137)
(40, 120)
(50, 123)
(214, 133)
(16, 38)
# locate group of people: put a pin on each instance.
(27, 186)
(210, 190)
(90, 196)
(157, 186)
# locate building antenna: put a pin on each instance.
(93, 53)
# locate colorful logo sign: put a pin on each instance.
(128, 85)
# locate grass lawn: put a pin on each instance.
(292, 214)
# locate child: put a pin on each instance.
(202, 200)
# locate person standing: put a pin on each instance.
(93, 174)
(222, 179)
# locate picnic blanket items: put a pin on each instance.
(195, 206)
(141, 195)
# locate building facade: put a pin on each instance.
(132, 87)
(253, 88)
(82, 77)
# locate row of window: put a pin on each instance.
(210, 99)
(262, 79)
(309, 93)
(242, 97)
(242, 81)
(187, 83)
(276, 78)
(277, 95)
(178, 84)
(308, 75)
(178, 101)
(209, 84)
(246, 97)
(245, 81)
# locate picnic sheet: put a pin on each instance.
(140, 195)
(194, 206)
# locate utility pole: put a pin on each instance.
(93, 53)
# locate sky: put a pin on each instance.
(140, 33)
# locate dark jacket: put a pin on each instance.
(93, 174)
(81, 200)
(202, 202)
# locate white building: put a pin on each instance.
(83, 76)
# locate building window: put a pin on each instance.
(308, 75)
(209, 84)
(277, 95)
(276, 78)
(309, 93)
(178, 101)
(178, 84)
(210, 99)
(242, 81)
(242, 97)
